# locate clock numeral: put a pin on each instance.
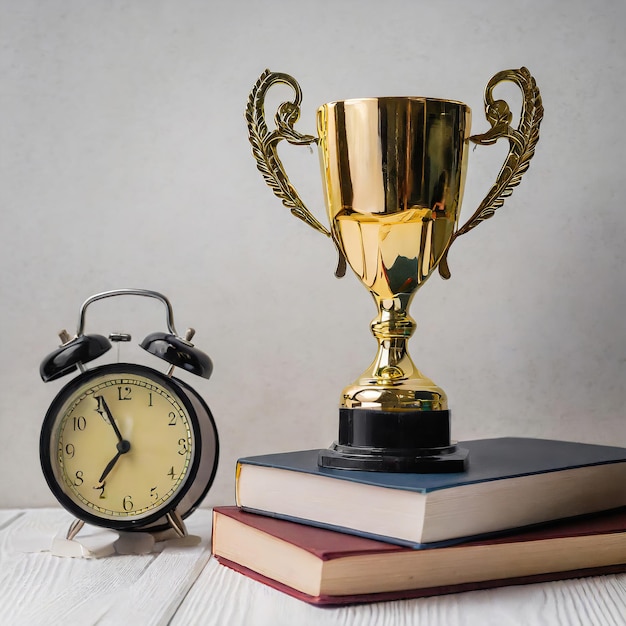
(172, 417)
(70, 450)
(183, 446)
(153, 493)
(79, 423)
(78, 479)
(101, 487)
(123, 393)
(171, 473)
(150, 399)
(127, 503)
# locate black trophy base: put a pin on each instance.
(395, 441)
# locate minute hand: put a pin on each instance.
(103, 405)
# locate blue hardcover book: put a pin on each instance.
(511, 483)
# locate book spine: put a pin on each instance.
(237, 476)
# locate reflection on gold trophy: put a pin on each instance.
(393, 172)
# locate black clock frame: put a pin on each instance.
(182, 391)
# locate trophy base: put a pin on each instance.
(380, 441)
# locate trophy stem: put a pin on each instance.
(392, 382)
(393, 418)
(392, 328)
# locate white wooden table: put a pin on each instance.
(184, 586)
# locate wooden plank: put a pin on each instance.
(8, 516)
(38, 588)
(154, 598)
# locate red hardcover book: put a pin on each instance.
(325, 567)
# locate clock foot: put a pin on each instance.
(176, 522)
(74, 529)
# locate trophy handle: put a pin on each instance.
(522, 142)
(265, 143)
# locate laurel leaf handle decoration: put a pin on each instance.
(265, 142)
(522, 142)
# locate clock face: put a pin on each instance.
(120, 446)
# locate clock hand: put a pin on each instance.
(107, 470)
(102, 404)
(122, 448)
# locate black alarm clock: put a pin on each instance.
(124, 446)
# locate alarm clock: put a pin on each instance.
(124, 446)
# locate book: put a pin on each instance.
(510, 483)
(325, 567)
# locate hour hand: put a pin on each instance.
(104, 408)
(107, 470)
(122, 448)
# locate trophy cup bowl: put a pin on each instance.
(393, 172)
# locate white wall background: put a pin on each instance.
(124, 162)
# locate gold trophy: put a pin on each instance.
(393, 171)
